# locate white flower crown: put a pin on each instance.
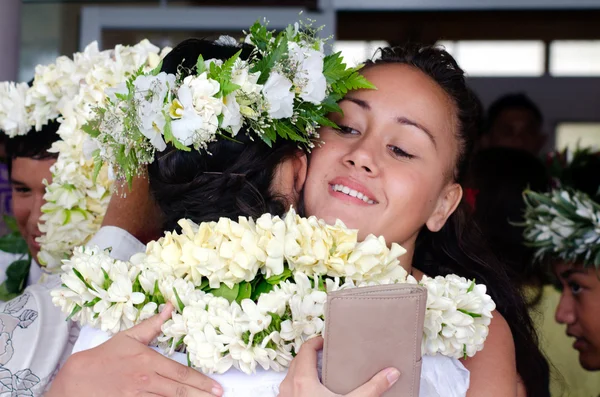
(565, 223)
(284, 90)
(250, 293)
(70, 88)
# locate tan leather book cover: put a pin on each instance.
(371, 328)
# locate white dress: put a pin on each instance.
(441, 376)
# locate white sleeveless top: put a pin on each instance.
(441, 376)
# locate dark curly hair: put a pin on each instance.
(459, 247)
(229, 179)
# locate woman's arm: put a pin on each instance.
(126, 366)
(494, 369)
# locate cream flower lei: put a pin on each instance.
(71, 89)
(249, 293)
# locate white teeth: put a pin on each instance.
(353, 193)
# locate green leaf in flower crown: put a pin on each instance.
(92, 127)
(287, 131)
(224, 77)
(225, 292)
(265, 65)
(245, 292)
(157, 69)
(334, 68)
(11, 223)
(13, 243)
(330, 104)
(261, 37)
(200, 66)
(170, 138)
(355, 81)
(276, 279)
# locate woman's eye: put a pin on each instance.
(22, 189)
(399, 152)
(345, 130)
(575, 288)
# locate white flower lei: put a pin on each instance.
(250, 293)
(75, 202)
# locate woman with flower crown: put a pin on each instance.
(430, 146)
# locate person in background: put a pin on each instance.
(514, 121)
(28, 162)
(574, 300)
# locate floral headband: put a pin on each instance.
(564, 223)
(284, 90)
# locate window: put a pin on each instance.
(498, 58)
(355, 52)
(570, 135)
(575, 58)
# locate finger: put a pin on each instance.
(169, 388)
(182, 374)
(306, 360)
(149, 329)
(379, 384)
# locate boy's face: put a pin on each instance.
(28, 190)
(579, 309)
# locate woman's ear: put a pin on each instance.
(300, 169)
(446, 205)
(289, 178)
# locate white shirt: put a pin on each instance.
(35, 339)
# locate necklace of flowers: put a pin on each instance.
(249, 293)
(284, 90)
(69, 89)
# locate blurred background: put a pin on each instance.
(546, 49)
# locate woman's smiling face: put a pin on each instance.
(389, 169)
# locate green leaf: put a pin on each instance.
(262, 287)
(16, 275)
(5, 295)
(76, 310)
(265, 65)
(227, 87)
(204, 285)
(179, 302)
(91, 128)
(157, 69)
(13, 243)
(225, 292)
(334, 68)
(274, 280)
(200, 66)
(472, 286)
(11, 223)
(245, 292)
(260, 36)
(170, 138)
(97, 164)
(157, 296)
(474, 315)
(79, 276)
(93, 302)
